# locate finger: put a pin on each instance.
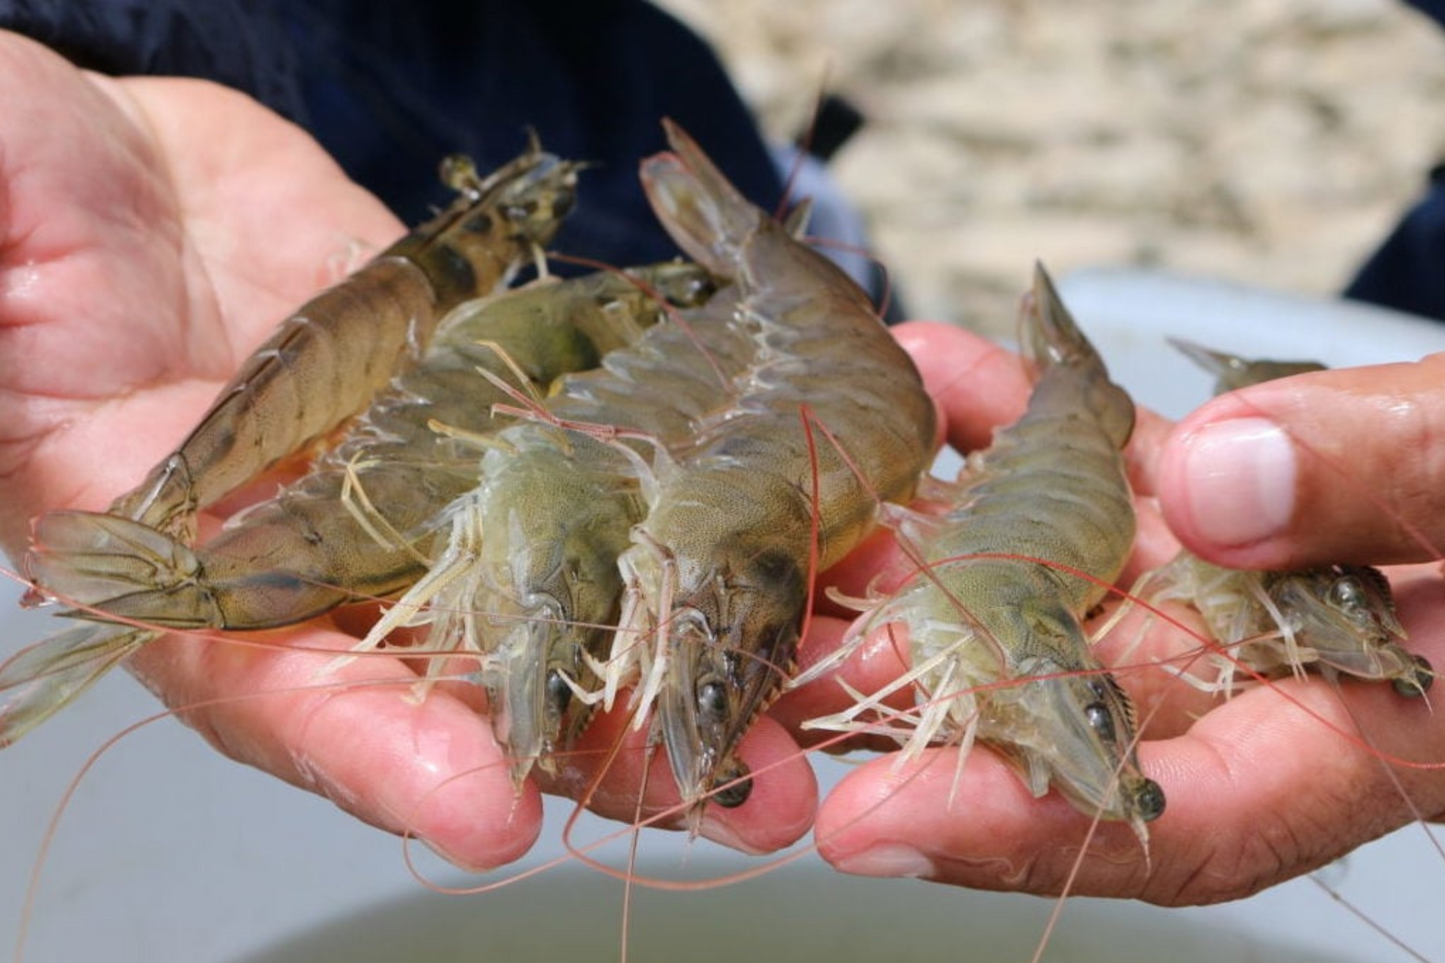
(353, 734)
(880, 660)
(1334, 466)
(1269, 786)
(616, 774)
(976, 384)
(1141, 455)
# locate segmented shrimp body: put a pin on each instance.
(716, 576)
(1334, 618)
(1039, 526)
(323, 365)
(362, 520)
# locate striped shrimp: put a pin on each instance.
(1031, 538)
(716, 578)
(1337, 618)
(312, 374)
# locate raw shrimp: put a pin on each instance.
(311, 375)
(360, 522)
(1039, 527)
(529, 575)
(716, 578)
(324, 363)
(1337, 618)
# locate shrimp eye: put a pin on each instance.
(736, 785)
(1417, 682)
(559, 693)
(1149, 800)
(712, 702)
(1347, 593)
(1100, 721)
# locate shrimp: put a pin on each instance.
(529, 577)
(317, 370)
(1337, 618)
(717, 573)
(1031, 539)
(314, 546)
(306, 379)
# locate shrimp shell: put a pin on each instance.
(324, 363)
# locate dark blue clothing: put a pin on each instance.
(1407, 272)
(390, 88)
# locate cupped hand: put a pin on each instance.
(1260, 788)
(152, 232)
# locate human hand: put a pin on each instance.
(1267, 785)
(1247, 478)
(154, 231)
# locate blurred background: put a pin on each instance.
(1272, 142)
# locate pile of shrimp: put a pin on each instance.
(588, 487)
(617, 490)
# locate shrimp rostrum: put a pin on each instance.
(1034, 532)
(323, 365)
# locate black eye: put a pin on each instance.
(1346, 593)
(734, 795)
(559, 693)
(712, 701)
(1100, 721)
(1149, 800)
(1416, 683)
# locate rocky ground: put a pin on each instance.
(1267, 141)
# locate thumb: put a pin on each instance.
(1329, 467)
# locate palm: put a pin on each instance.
(153, 231)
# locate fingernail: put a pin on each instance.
(1241, 481)
(887, 859)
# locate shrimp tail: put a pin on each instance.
(44, 678)
(123, 568)
(701, 209)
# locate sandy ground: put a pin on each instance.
(1273, 142)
